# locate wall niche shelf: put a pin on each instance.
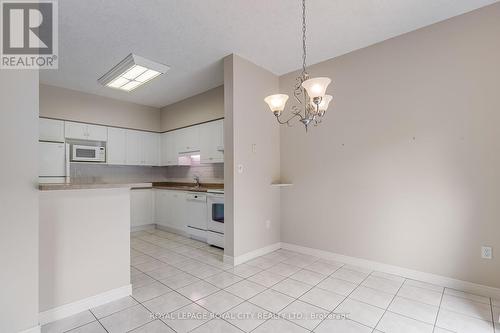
(281, 184)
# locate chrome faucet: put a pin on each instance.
(197, 181)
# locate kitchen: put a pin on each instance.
(183, 209)
(120, 181)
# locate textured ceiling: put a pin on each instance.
(192, 36)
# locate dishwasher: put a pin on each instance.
(196, 208)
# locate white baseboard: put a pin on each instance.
(172, 230)
(253, 254)
(70, 309)
(142, 227)
(228, 260)
(439, 280)
(36, 329)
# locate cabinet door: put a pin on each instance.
(51, 130)
(188, 139)
(151, 148)
(75, 131)
(168, 152)
(212, 142)
(162, 208)
(134, 148)
(178, 215)
(141, 207)
(117, 143)
(97, 133)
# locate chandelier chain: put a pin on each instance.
(307, 110)
(304, 54)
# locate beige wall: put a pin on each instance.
(194, 110)
(18, 200)
(405, 168)
(252, 200)
(68, 104)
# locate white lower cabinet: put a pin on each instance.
(181, 211)
(141, 207)
(170, 209)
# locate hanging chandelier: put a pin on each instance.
(310, 93)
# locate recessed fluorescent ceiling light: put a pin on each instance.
(132, 72)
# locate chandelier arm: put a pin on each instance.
(294, 115)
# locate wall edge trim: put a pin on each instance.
(256, 253)
(34, 329)
(88, 303)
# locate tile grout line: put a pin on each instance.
(270, 288)
(493, 316)
(346, 297)
(97, 319)
(439, 310)
(387, 309)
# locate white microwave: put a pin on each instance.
(81, 153)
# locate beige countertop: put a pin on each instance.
(162, 185)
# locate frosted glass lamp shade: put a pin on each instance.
(276, 102)
(323, 105)
(316, 87)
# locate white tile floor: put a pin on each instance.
(181, 285)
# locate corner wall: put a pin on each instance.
(250, 199)
(404, 170)
(18, 200)
(66, 104)
(197, 109)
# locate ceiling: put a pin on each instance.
(192, 36)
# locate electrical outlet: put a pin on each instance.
(486, 252)
(268, 224)
(254, 148)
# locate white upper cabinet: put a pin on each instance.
(212, 142)
(51, 130)
(187, 139)
(151, 148)
(134, 148)
(168, 153)
(81, 131)
(117, 146)
(142, 148)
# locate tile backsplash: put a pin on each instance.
(89, 172)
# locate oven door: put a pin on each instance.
(216, 214)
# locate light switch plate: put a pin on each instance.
(240, 168)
